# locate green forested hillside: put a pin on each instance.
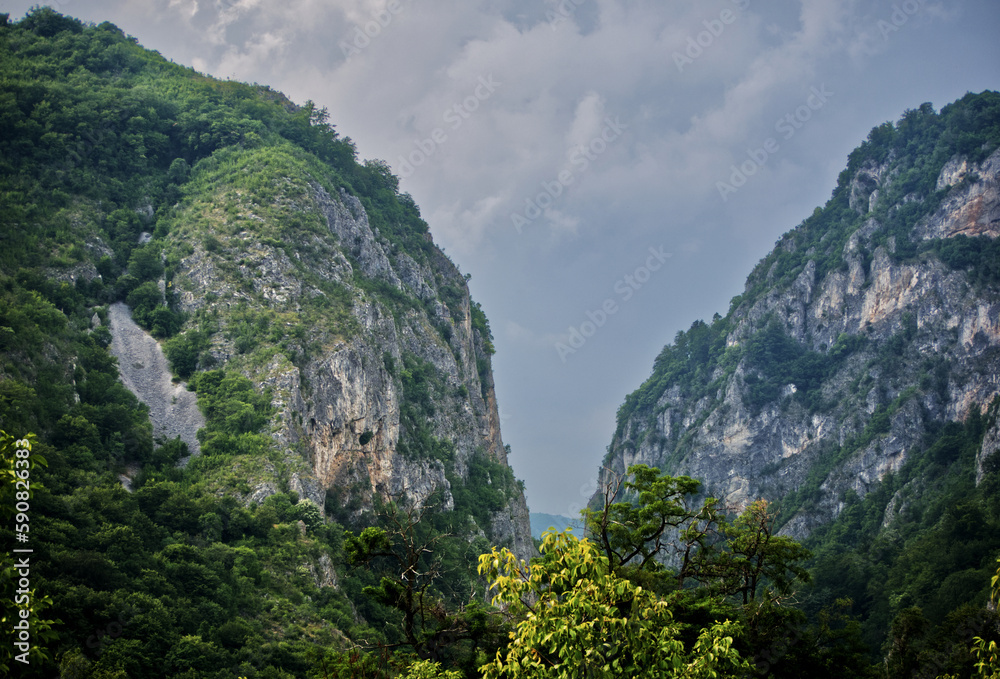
(103, 142)
(118, 169)
(914, 555)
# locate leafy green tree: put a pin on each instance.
(145, 264)
(753, 555)
(179, 171)
(406, 585)
(144, 300)
(309, 513)
(666, 524)
(577, 618)
(425, 669)
(409, 556)
(47, 22)
(986, 653)
(908, 648)
(636, 533)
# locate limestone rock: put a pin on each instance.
(951, 365)
(338, 406)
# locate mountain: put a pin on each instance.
(542, 522)
(854, 381)
(232, 341)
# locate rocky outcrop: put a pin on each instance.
(145, 371)
(972, 208)
(927, 350)
(988, 453)
(339, 405)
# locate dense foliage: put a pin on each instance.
(580, 619)
(917, 552)
(113, 162)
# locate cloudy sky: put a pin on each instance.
(608, 171)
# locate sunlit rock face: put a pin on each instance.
(340, 409)
(930, 353)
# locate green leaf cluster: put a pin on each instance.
(579, 619)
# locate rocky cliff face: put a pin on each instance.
(370, 353)
(851, 340)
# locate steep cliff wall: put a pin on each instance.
(875, 319)
(331, 350)
(376, 360)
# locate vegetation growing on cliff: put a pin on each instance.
(915, 150)
(763, 359)
(115, 165)
(920, 548)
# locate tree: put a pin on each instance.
(577, 618)
(666, 525)
(986, 653)
(637, 533)
(145, 264)
(143, 301)
(405, 588)
(425, 669)
(47, 22)
(317, 117)
(907, 645)
(754, 555)
(406, 554)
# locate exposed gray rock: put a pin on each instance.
(145, 371)
(307, 487)
(85, 271)
(972, 208)
(326, 576)
(348, 221)
(350, 390)
(988, 453)
(743, 455)
(864, 186)
(261, 491)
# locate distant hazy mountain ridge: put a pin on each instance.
(541, 522)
